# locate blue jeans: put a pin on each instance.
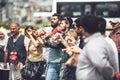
(52, 71)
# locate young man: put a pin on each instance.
(97, 59)
(54, 52)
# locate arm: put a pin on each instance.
(53, 45)
(63, 41)
(54, 32)
(74, 49)
(35, 42)
(69, 43)
(5, 55)
(40, 41)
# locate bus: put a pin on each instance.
(108, 9)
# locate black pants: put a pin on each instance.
(119, 60)
(4, 74)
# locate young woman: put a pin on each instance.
(34, 50)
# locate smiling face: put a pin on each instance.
(14, 28)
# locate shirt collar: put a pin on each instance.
(92, 36)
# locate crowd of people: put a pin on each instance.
(75, 50)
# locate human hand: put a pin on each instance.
(58, 39)
(70, 40)
(74, 49)
(118, 75)
(5, 65)
(20, 66)
(29, 32)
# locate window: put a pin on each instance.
(76, 9)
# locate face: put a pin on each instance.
(54, 21)
(75, 27)
(71, 37)
(85, 34)
(78, 30)
(35, 32)
(63, 25)
(14, 29)
(29, 30)
(67, 25)
(2, 36)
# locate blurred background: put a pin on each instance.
(38, 12)
(23, 12)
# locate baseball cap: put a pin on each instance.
(114, 21)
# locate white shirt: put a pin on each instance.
(110, 41)
(97, 60)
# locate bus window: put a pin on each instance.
(76, 9)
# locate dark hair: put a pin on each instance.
(68, 21)
(14, 50)
(28, 27)
(90, 23)
(58, 15)
(78, 22)
(102, 25)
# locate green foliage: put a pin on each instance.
(42, 24)
(5, 25)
